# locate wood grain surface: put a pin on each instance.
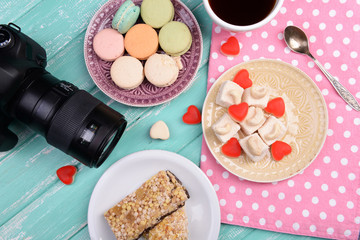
(34, 203)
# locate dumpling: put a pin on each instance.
(254, 119)
(255, 148)
(229, 94)
(225, 128)
(272, 130)
(257, 96)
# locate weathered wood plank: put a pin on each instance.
(55, 23)
(14, 9)
(230, 232)
(82, 234)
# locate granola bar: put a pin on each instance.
(140, 211)
(172, 227)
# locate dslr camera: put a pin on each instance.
(70, 119)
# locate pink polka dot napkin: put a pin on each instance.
(324, 199)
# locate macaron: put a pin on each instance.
(141, 41)
(125, 17)
(175, 38)
(108, 44)
(157, 13)
(127, 72)
(161, 70)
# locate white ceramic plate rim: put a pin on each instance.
(181, 167)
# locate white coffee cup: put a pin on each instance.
(236, 28)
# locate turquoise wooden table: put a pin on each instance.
(34, 203)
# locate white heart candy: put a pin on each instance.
(159, 131)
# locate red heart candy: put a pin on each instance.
(230, 47)
(66, 174)
(276, 106)
(192, 116)
(242, 79)
(238, 112)
(280, 149)
(231, 148)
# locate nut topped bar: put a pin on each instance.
(140, 211)
(172, 227)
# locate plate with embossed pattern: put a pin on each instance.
(146, 94)
(305, 116)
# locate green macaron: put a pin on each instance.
(175, 38)
(157, 13)
(125, 17)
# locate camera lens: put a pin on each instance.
(70, 119)
(109, 143)
(5, 38)
(86, 129)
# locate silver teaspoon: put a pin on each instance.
(297, 41)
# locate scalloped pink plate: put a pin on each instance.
(146, 94)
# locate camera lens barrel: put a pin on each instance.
(98, 135)
(38, 100)
(83, 127)
(70, 119)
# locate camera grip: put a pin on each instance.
(8, 139)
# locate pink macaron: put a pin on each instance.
(109, 44)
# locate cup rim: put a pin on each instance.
(236, 28)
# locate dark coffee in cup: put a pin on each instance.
(242, 12)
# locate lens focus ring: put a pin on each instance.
(69, 119)
(5, 38)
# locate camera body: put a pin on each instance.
(70, 119)
(19, 53)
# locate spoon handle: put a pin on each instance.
(342, 91)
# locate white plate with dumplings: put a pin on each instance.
(305, 118)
